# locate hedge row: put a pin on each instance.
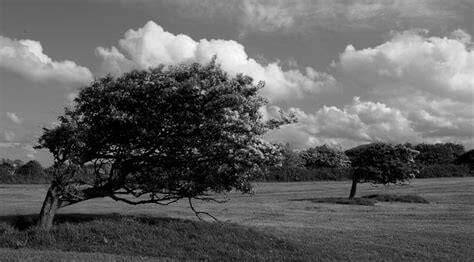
(294, 174)
(291, 174)
(445, 170)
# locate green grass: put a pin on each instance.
(397, 198)
(153, 237)
(387, 231)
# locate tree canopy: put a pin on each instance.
(382, 163)
(160, 135)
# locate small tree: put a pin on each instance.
(158, 136)
(324, 157)
(381, 163)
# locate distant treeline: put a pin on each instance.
(434, 160)
(18, 172)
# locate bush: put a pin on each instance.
(444, 170)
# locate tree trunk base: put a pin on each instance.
(355, 180)
(49, 209)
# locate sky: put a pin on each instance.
(353, 72)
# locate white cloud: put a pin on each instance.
(430, 79)
(423, 87)
(360, 121)
(26, 57)
(411, 63)
(151, 45)
(14, 118)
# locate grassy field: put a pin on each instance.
(442, 230)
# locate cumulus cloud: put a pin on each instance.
(26, 57)
(411, 88)
(431, 79)
(151, 45)
(14, 118)
(357, 122)
(411, 63)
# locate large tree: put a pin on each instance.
(381, 163)
(158, 136)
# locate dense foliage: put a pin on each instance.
(435, 154)
(383, 163)
(444, 170)
(466, 159)
(324, 157)
(164, 134)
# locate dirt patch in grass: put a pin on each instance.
(340, 200)
(397, 198)
(150, 236)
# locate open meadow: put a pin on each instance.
(441, 230)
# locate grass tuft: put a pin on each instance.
(397, 198)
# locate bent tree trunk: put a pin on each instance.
(48, 210)
(355, 180)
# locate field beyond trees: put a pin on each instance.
(294, 230)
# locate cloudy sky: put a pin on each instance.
(352, 71)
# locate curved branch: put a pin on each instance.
(150, 201)
(198, 213)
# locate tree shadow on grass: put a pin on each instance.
(397, 198)
(368, 200)
(340, 200)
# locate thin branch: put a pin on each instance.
(150, 201)
(198, 213)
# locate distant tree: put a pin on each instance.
(6, 169)
(291, 163)
(31, 169)
(324, 157)
(441, 153)
(466, 159)
(381, 163)
(158, 136)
